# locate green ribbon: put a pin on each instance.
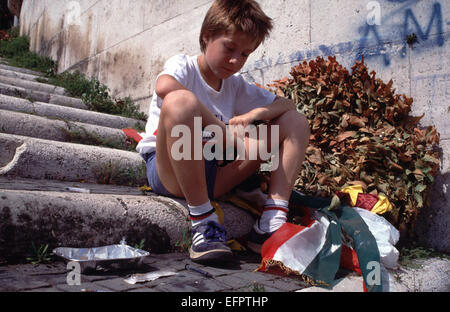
(325, 265)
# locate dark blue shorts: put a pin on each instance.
(158, 187)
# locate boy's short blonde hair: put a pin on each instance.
(235, 15)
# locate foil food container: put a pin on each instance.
(118, 256)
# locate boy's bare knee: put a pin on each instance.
(180, 100)
(180, 104)
(293, 122)
(301, 121)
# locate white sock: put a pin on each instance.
(202, 213)
(274, 215)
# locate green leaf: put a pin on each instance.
(420, 188)
(430, 159)
(419, 200)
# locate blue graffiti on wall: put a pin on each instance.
(374, 42)
(410, 26)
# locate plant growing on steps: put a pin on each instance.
(112, 172)
(94, 94)
(140, 245)
(15, 49)
(40, 255)
(184, 243)
(97, 98)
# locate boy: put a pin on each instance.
(209, 86)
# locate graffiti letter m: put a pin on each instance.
(437, 13)
(410, 18)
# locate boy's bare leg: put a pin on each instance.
(182, 178)
(294, 139)
(186, 178)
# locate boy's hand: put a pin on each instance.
(236, 126)
(244, 119)
(234, 141)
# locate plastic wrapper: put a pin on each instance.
(147, 277)
(120, 256)
(78, 190)
(386, 236)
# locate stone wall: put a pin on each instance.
(125, 44)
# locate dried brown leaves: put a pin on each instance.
(361, 132)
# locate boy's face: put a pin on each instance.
(226, 54)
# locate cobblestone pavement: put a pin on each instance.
(237, 276)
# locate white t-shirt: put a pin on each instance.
(235, 97)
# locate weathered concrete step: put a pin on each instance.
(62, 218)
(11, 103)
(86, 220)
(32, 85)
(40, 96)
(18, 75)
(24, 184)
(19, 69)
(43, 159)
(57, 130)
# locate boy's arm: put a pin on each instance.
(269, 112)
(166, 84)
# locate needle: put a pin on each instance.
(188, 267)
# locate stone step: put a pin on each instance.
(18, 75)
(24, 184)
(11, 103)
(32, 85)
(46, 212)
(65, 194)
(19, 69)
(27, 157)
(41, 96)
(59, 130)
